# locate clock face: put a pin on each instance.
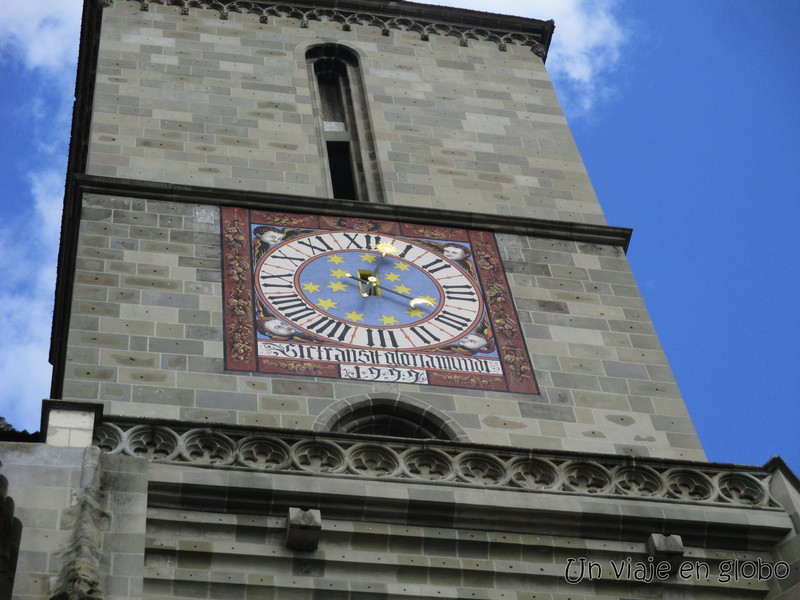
(369, 300)
(369, 291)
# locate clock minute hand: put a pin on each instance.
(414, 301)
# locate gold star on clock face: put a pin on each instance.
(368, 258)
(401, 289)
(310, 287)
(326, 303)
(415, 312)
(337, 286)
(401, 266)
(354, 316)
(391, 277)
(335, 259)
(339, 273)
(388, 320)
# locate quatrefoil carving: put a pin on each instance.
(741, 488)
(263, 453)
(108, 437)
(208, 447)
(318, 456)
(373, 460)
(534, 473)
(639, 481)
(483, 469)
(427, 463)
(689, 484)
(152, 442)
(586, 477)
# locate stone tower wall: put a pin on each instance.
(195, 100)
(199, 100)
(147, 340)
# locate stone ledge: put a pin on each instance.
(417, 503)
(543, 228)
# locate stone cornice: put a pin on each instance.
(544, 228)
(425, 20)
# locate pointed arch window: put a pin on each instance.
(344, 124)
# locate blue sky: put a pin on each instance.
(697, 148)
(687, 114)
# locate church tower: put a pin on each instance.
(339, 316)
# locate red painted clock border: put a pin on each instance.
(239, 297)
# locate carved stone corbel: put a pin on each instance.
(666, 548)
(303, 529)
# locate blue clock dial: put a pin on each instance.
(361, 290)
(339, 284)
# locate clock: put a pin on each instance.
(368, 291)
(369, 300)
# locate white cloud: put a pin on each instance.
(42, 37)
(586, 47)
(48, 195)
(43, 32)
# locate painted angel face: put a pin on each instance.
(278, 327)
(271, 236)
(455, 253)
(472, 342)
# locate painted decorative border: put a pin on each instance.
(510, 360)
(442, 464)
(349, 18)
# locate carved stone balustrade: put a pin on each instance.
(438, 463)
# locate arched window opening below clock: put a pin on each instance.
(392, 418)
(346, 139)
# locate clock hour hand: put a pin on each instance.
(384, 248)
(414, 302)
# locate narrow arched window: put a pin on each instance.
(344, 125)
